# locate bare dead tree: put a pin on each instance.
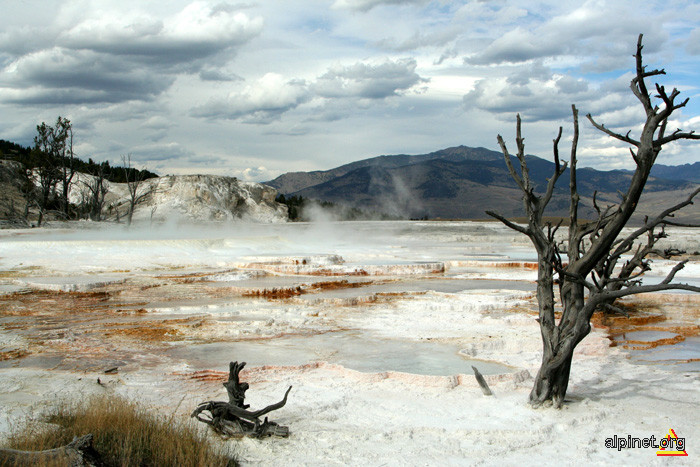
(46, 174)
(134, 179)
(593, 249)
(232, 419)
(63, 132)
(53, 147)
(97, 190)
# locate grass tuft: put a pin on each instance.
(125, 434)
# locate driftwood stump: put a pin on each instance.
(482, 382)
(232, 419)
(78, 452)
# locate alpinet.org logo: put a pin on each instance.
(669, 445)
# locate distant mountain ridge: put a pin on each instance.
(459, 182)
(292, 182)
(689, 172)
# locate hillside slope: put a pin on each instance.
(458, 182)
(293, 182)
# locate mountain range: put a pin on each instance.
(462, 182)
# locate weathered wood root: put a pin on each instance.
(231, 419)
(236, 390)
(77, 453)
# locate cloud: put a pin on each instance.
(447, 54)
(159, 127)
(59, 75)
(294, 130)
(158, 123)
(196, 32)
(693, 43)
(271, 96)
(255, 173)
(334, 110)
(314, 75)
(366, 5)
(265, 101)
(20, 40)
(368, 80)
(593, 29)
(515, 46)
(159, 152)
(538, 97)
(121, 112)
(109, 56)
(420, 39)
(213, 74)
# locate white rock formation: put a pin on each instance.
(190, 198)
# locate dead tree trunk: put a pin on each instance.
(232, 419)
(589, 278)
(97, 190)
(64, 131)
(134, 179)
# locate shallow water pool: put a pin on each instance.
(353, 350)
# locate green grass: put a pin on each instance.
(125, 434)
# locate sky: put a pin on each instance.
(256, 89)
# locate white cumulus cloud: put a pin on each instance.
(264, 101)
(368, 80)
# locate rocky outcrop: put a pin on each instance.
(206, 198)
(191, 198)
(14, 186)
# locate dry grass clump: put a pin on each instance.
(125, 434)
